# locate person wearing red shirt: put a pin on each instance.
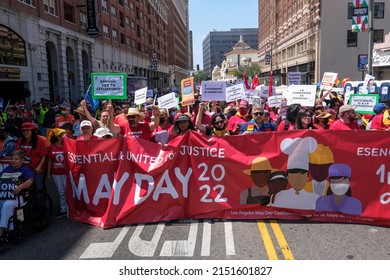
(378, 121)
(347, 119)
(162, 132)
(56, 167)
(134, 127)
(86, 131)
(234, 123)
(35, 149)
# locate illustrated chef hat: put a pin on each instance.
(298, 151)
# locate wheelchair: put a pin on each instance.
(36, 214)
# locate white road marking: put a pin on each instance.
(145, 248)
(104, 249)
(182, 248)
(229, 240)
(206, 238)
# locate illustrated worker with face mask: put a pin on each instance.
(338, 198)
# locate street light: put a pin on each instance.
(154, 67)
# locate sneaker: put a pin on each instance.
(60, 215)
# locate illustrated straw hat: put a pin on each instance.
(259, 163)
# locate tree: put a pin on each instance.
(250, 71)
(201, 76)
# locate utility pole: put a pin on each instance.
(370, 35)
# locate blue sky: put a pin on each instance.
(222, 15)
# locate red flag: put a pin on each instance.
(255, 82)
(245, 81)
(270, 84)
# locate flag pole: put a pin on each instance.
(370, 35)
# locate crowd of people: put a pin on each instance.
(37, 134)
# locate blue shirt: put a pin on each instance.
(267, 126)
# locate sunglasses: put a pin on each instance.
(107, 136)
(181, 122)
(219, 122)
(306, 116)
(258, 114)
(131, 117)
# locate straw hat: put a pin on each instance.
(259, 163)
(80, 110)
(135, 111)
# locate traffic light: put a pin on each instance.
(197, 67)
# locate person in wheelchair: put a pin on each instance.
(24, 179)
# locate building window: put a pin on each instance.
(378, 36)
(114, 35)
(28, 2)
(127, 22)
(69, 13)
(105, 31)
(126, 2)
(113, 12)
(104, 6)
(379, 10)
(121, 19)
(83, 20)
(12, 47)
(133, 25)
(350, 10)
(352, 39)
(50, 6)
(128, 42)
(120, 2)
(122, 38)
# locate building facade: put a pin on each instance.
(45, 44)
(313, 37)
(178, 32)
(218, 43)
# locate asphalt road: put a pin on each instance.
(66, 239)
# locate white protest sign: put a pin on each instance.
(364, 103)
(235, 92)
(213, 91)
(140, 96)
(302, 94)
(328, 80)
(293, 78)
(364, 88)
(167, 101)
(275, 100)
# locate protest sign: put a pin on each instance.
(328, 80)
(140, 96)
(235, 92)
(275, 100)
(302, 94)
(293, 78)
(213, 91)
(364, 103)
(187, 92)
(109, 85)
(167, 101)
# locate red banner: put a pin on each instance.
(334, 176)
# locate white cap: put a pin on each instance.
(102, 131)
(85, 123)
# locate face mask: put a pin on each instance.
(63, 113)
(339, 188)
(173, 113)
(162, 119)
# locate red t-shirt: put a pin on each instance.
(339, 125)
(62, 120)
(33, 156)
(56, 154)
(282, 124)
(94, 137)
(142, 131)
(233, 121)
(377, 123)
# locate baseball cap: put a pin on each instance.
(85, 123)
(379, 107)
(243, 104)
